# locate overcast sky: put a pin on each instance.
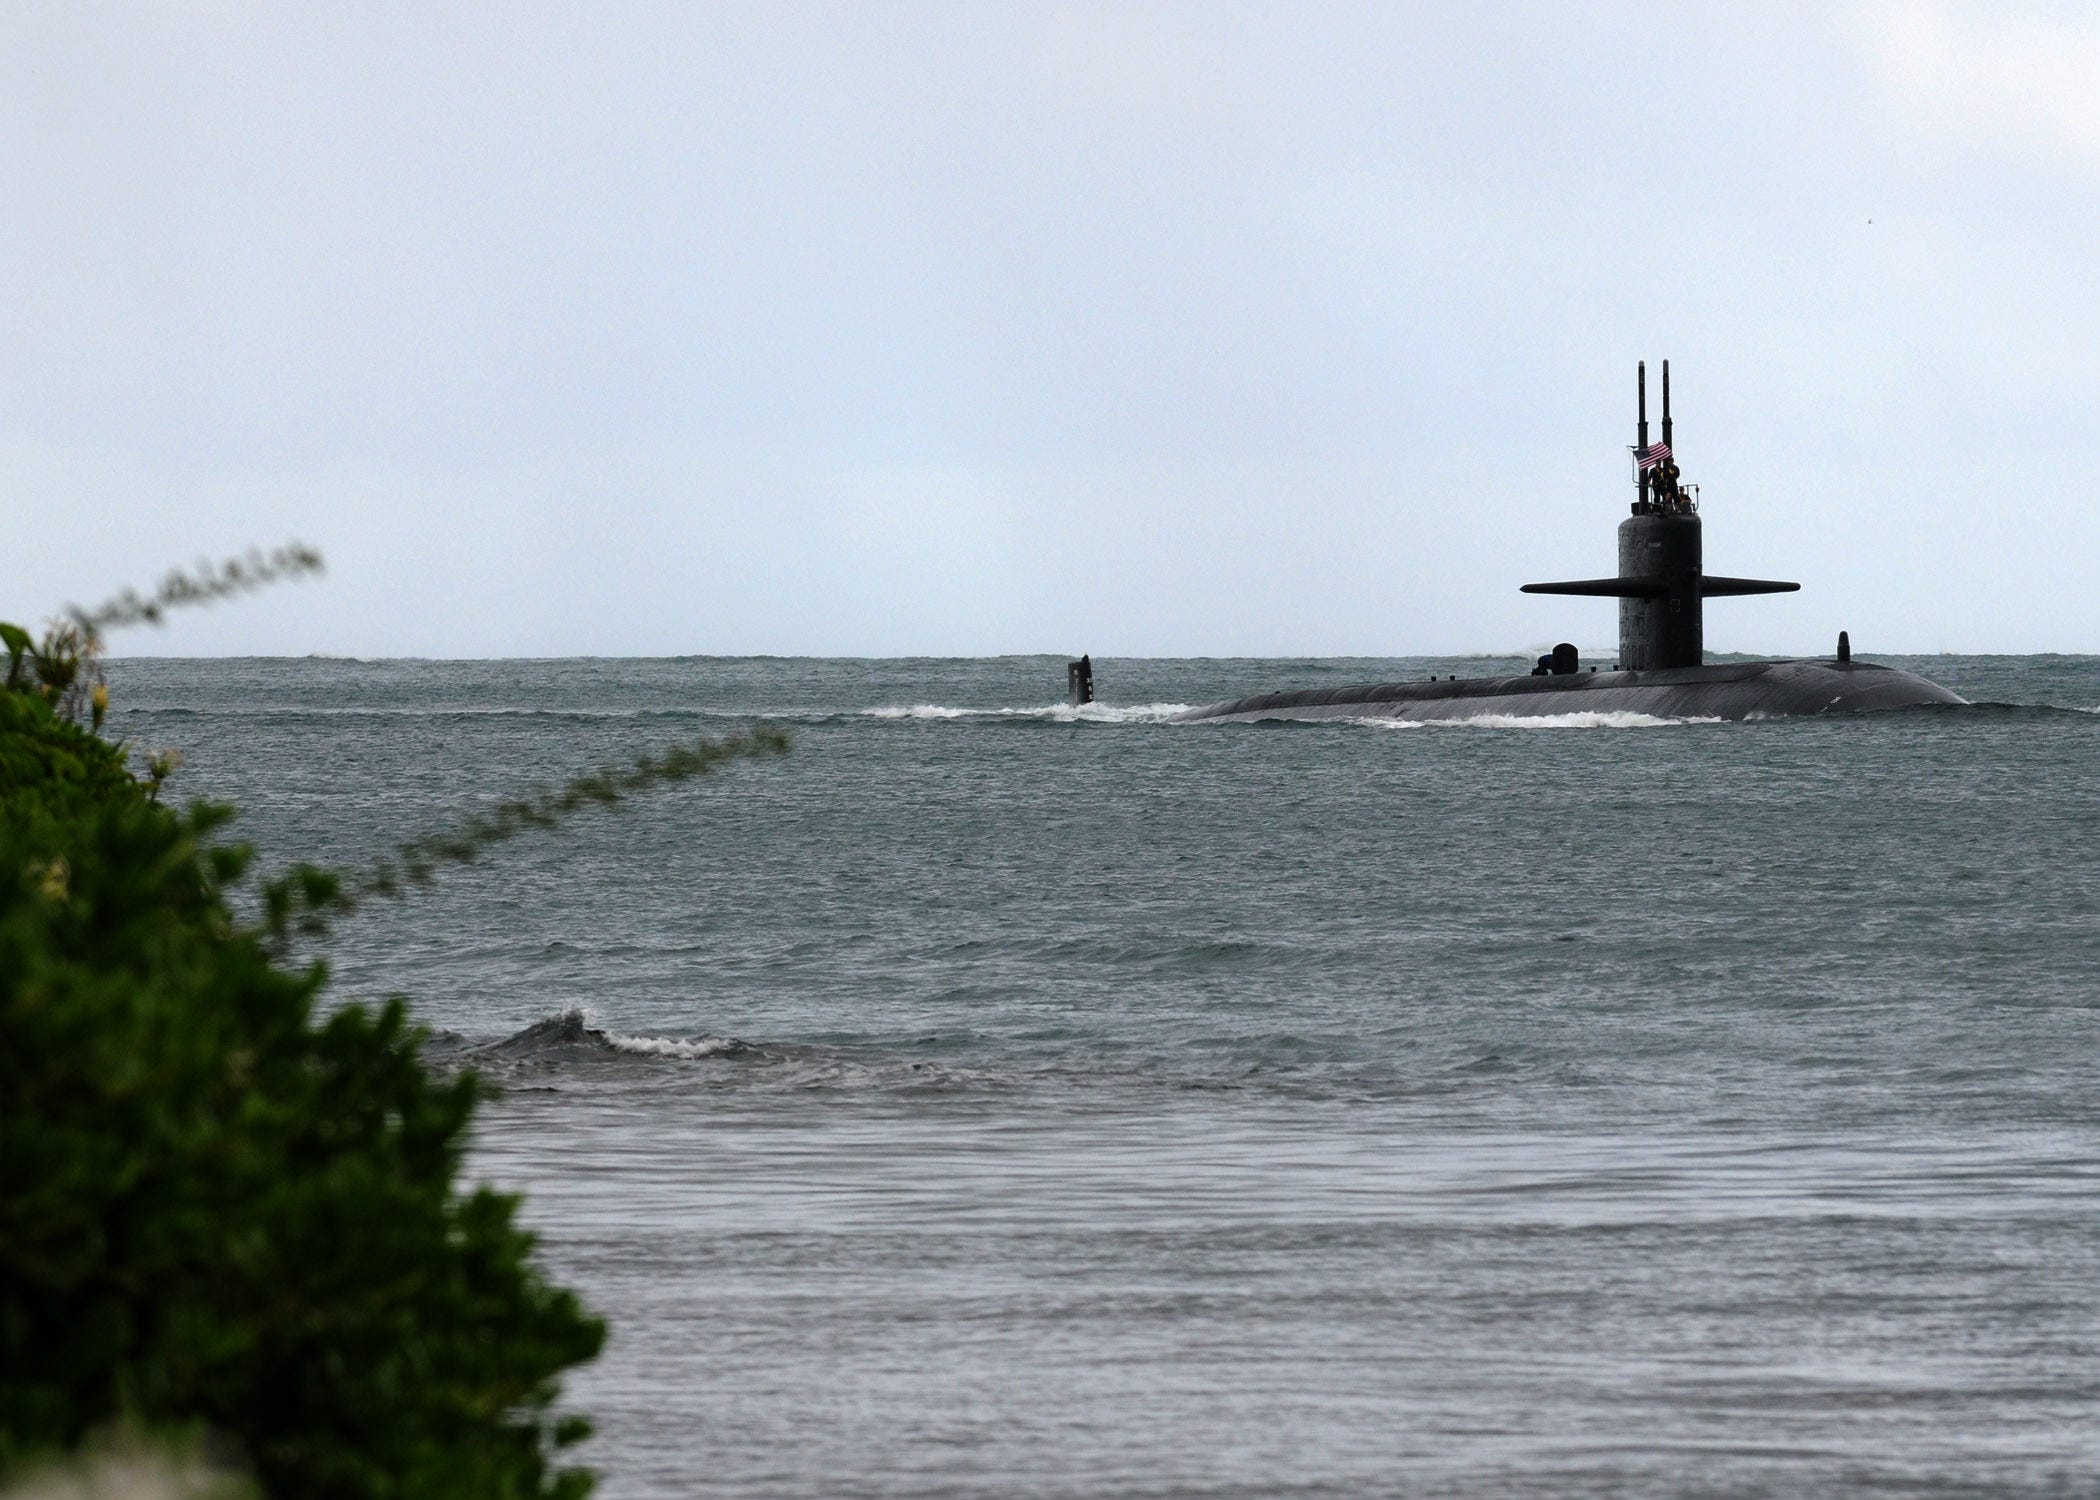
(1140, 329)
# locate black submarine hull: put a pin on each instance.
(1730, 690)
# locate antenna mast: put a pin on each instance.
(1641, 449)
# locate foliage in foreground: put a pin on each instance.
(65, 670)
(222, 1208)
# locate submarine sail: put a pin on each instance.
(1662, 587)
(1662, 583)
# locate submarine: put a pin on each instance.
(1662, 587)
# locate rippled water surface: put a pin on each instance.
(997, 1099)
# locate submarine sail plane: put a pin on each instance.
(1661, 587)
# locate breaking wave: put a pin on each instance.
(663, 1046)
(566, 1051)
(569, 1035)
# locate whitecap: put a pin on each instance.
(922, 711)
(661, 1046)
(577, 1028)
(1051, 713)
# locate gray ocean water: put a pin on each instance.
(997, 1100)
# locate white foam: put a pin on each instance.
(1053, 713)
(1117, 713)
(1610, 719)
(922, 711)
(660, 1046)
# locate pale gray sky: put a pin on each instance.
(1138, 329)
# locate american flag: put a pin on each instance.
(1656, 453)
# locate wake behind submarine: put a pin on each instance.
(1661, 671)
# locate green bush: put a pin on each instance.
(218, 1205)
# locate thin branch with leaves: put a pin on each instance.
(207, 583)
(307, 898)
(65, 668)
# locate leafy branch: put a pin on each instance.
(307, 898)
(211, 581)
(65, 668)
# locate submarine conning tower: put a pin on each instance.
(1662, 584)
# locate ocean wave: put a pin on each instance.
(1057, 1062)
(662, 1046)
(567, 1050)
(571, 1034)
(1049, 713)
